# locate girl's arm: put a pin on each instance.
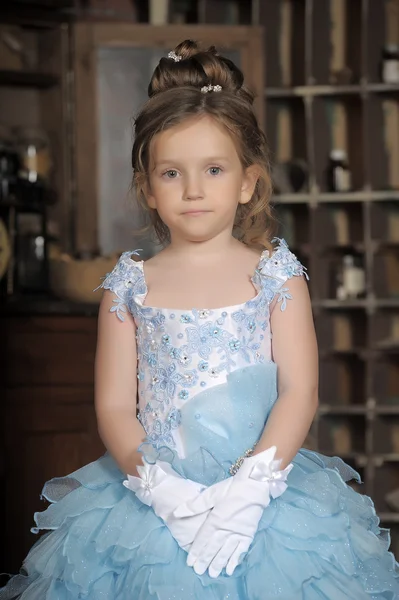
(116, 387)
(294, 349)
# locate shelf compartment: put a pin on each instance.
(336, 42)
(385, 273)
(293, 223)
(330, 274)
(386, 436)
(342, 381)
(384, 332)
(385, 378)
(339, 224)
(236, 12)
(342, 436)
(381, 28)
(284, 23)
(342, 332)
(382, 127)
(386, 487)
(385, 222)
(286, 133)
(339, 126)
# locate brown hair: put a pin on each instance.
(174, 96)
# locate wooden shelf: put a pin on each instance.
(304, 91)
(340, 304)
(389, 517)
(363, 196)
(354, 304)
(312, 90)
(325, 409)
(386, 410)
(357, 409)
(393, 457)
(382, 88)
(353, 352)
(27, 79)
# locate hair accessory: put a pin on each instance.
(211, 88)
(175, 56)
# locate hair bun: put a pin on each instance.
(190, 48)
(197, 67)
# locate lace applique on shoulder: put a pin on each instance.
(275, 269)
(126, 281)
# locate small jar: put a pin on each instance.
(338, 174)
(34, 150)
(390, 64)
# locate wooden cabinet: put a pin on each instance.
(47, 416)
(324, 91)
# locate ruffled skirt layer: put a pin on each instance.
(319, 540)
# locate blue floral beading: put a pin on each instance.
(181, 352)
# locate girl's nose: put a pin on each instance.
(193, 188)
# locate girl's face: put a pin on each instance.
(197, 181)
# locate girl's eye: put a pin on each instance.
(171, 174)
(215, 170)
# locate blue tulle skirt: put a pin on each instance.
(319, 540)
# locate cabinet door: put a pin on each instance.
(113, 66)
(48, 424)
(42, 441)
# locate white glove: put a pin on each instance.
(231, 526)
(160, 487)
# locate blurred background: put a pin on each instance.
(72, 76)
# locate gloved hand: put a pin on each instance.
(160, 487)
(231, 526)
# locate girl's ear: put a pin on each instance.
(151, 200)
(251, 176)
(142, 184)
(148, 195)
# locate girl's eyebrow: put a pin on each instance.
(207, 160)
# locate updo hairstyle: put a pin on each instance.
(174, 96)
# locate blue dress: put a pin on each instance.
(206, 385)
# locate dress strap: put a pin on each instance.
(275, 269)
(127, 282)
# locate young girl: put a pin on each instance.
(207, 494)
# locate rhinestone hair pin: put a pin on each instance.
(211, 88)
(174, 56)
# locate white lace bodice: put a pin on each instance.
(184, 353)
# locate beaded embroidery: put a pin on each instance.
(182, 352)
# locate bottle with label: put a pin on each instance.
(338, 174)
(390, 64)
(351, 279)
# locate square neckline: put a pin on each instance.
(231, 307)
